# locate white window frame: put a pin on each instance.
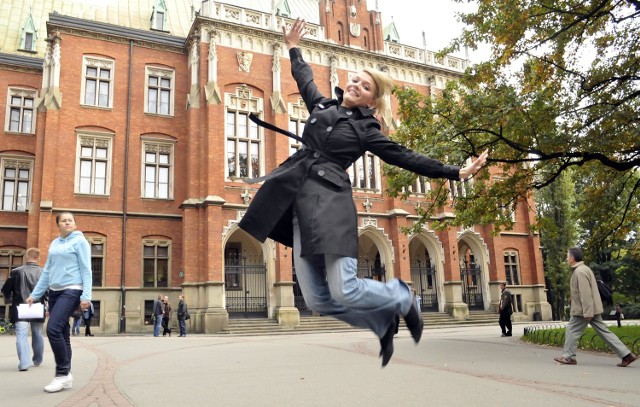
(94, 140)
(297, 113)
(159, 10)
(100, 64)
(508, 275)
(365, 163)
(20, 163)
(420, 186)
(157, 146)
(243, 102)
(98, 240)
(23, 94)
(160, 73)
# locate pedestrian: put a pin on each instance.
(307, 202)
(158, 312)
(18, 286)
(87, 314)
(619, 315)
(586, 309)
(183, 315)
(506, 309)
(166, 316)
(77, 320)
(67, 277)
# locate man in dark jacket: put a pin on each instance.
(21, 282)
(158, 312)
(505, 309)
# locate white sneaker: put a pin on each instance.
(58, 383)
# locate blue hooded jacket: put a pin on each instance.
(68, 263)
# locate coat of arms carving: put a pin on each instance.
(244, 61)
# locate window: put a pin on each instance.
(422, 185)
(159, 94)
(148, 312)
(244, 145)
(158, 170)
(97, 82)
(95, 320)
(29, 35)
(298, 115)
(158, 16)
(16, 184)
(21, 111)
(512, 268)
(94, 165)
(9, 259)
(156, 263)
(97, 259)
(364, 172)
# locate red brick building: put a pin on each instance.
(134, 116)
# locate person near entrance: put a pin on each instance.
(307, 202)
(506, 309)
(158, 312)
(18, 286)
(586, 309)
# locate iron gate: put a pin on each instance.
(424, 282)
(245, 286)
(471, 277)
(374, 272)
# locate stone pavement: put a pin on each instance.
(452, 366)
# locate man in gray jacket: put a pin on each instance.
(20, 283)
(586, 308)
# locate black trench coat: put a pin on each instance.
(314, 180)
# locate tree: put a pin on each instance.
(561, 91)
(556, 215)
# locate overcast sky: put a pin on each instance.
(437, 18)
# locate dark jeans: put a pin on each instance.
(87, 326)
(61, 306)
(505, 323)
(165, 327)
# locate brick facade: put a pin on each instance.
(197, 222)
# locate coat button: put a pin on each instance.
(316, 155)
(349, 112)
(321, 173)
(329, 129)
(313, 120)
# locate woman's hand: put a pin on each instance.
(29, 300)
(474, 167)
(84, 305)
(293, 37)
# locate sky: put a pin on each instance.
(437, 18)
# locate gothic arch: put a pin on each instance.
(434, 247)
(474, 242)
(381, 241)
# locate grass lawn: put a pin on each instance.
(629, 334)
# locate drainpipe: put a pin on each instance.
(123, 289)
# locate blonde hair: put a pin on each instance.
(33, 253)
(384, 85)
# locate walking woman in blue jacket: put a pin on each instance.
(67, 277)
(307, 201)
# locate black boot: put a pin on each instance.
(414, 321)
(386, 344)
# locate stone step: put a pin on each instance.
(308, 324)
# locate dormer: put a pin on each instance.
(282, 9)
(390, 33)
(28, 35)
(159, 16)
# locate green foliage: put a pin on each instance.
(560, 92)
(628, 334)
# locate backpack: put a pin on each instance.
(606, 295)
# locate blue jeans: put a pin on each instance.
(156, 325)
(330, 286)
(75, 329)
(22, 343)
(183, 327)
(61, 306)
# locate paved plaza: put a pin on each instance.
(454, 366)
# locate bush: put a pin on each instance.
(631, 311)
